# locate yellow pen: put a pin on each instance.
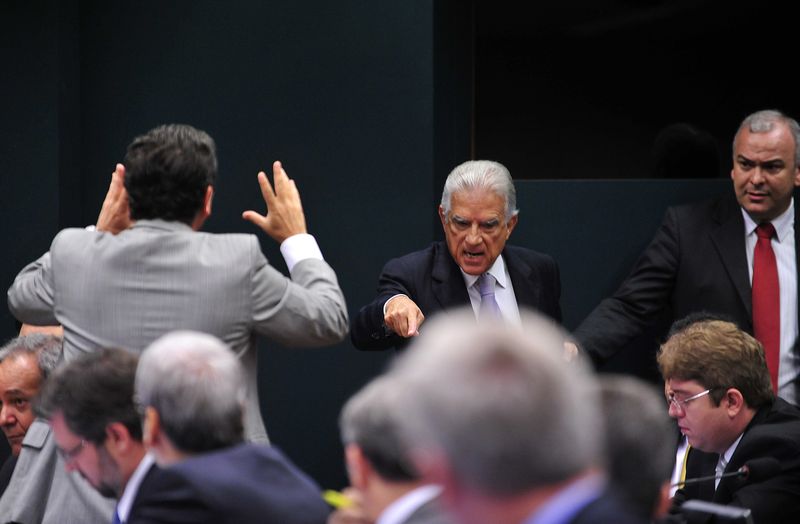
(337, 499)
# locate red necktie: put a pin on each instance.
(767, 300)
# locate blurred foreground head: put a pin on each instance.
(494, 412)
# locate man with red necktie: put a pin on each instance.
(731, 257)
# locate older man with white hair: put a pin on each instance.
(473, 266)
(191, 391)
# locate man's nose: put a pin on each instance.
(6, 416)
(757, 177)
(474, 235)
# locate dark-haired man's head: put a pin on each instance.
(96, 427)
(170, 173)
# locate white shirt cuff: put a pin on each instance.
(299, 247)
(390, 299)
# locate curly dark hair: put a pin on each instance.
(168, 170)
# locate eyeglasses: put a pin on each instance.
(68, 455)
(680, 405)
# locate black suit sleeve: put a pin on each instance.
(367, 330)
(644, 294)
(167, 497)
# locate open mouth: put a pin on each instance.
(473, 254)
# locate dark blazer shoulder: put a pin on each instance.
(244, 483)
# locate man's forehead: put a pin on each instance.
(778, 137)
(20, 369)
(677, 385)
(484, 201)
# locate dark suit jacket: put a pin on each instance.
(433, 280)
(773, 432)
(608, 509)
(5, 473)
(242, 484)
(696, 262)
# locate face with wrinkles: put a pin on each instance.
(476, 228)
(20, 379)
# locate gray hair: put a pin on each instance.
(371, 419)
(640, 440)
(46, 349)
(481, 174)
(196, 384)
(764, 121)
(499, 403)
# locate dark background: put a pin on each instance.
(369, 105)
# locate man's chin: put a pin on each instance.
(473, 267)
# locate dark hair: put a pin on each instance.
(93, 391)
(167, 172)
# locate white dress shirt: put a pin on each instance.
(503, 292)
(398, 511)
(783, 246)
(132, 487)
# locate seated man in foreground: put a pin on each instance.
(386, 486)
(191, 391)
(719, 391)
(96, 427)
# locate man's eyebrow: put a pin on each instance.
(15, 392)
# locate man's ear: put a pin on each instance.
(207, 200)
(442, 216)
(358, 467)
(205, 210)
(734, 402)
(512, 223)
(118, 439)
(151, 426)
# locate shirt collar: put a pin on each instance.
(132, 487)
(163, 225)
(782, 223)
(498, 271)
(729, 452)
(402, 508)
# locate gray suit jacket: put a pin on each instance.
(41, 490)
(126, 290)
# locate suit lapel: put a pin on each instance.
(526, 288)
(448, 282)
(728, 238)
(700, 464)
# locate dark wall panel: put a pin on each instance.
(341, 92)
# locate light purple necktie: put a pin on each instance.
(489, 310)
